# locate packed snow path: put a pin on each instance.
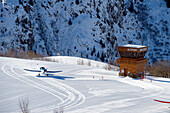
(77, 89)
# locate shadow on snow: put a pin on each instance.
(56, 77)
(158, 80)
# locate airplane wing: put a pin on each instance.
(32, 70)
(53, 71)
(40, 71)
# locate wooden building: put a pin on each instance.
(132, 60)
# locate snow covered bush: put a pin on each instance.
(11, 53)
(147, 68)
(161, 69)
(60, 110)
(80, 62)
(108, 67)
(21, 54)
(23, 104)
(89, 63)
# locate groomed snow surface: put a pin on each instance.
(77, 88)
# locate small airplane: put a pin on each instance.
(42, 70)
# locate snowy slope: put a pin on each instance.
(74, 89)
(85, 28)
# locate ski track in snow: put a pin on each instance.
(72, 99)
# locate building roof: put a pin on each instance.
(133, 46)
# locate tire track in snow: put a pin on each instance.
(74, 98)
(81, 97)
(31, 83)
(65, 102)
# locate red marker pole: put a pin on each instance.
(161, 101)
(93, 77)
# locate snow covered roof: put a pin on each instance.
(133, 46)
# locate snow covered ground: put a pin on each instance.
(77, 88)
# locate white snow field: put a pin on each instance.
(77, 88)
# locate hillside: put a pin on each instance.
(86, 28)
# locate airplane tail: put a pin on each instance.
(38, 68)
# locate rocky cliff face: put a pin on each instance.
(85, 28)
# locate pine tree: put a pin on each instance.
(77, 2)
(102, 57)
(70, 22)
(98, 55)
